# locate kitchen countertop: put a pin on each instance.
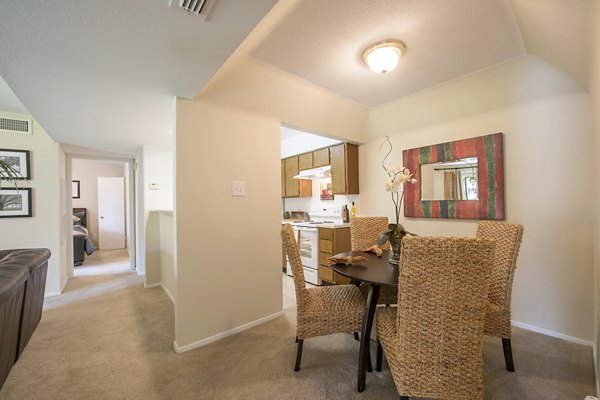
(327, 225)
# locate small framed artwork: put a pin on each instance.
(17, 160)
(75, 189)
(326, 191)
(15, 202)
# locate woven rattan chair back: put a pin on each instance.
(443, 287)
(291, 250)
(364, 232)
(508, 241)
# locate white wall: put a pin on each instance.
(168, 272)
(225, 278)
(45, 228)
(595, 94)
(548, 167)
(65, 217)
(87, 172)
(158, 169)
(232, 132)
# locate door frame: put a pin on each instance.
(131, 209)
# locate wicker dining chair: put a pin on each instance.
(433, 340)
(364, 232)
(321, 310)
(497, 317)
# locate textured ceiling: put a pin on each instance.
(559, 32)
(8, 100)
(103, 74)
(322, 42)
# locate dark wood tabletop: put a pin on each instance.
(376, 270)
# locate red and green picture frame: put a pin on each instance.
(489, 150)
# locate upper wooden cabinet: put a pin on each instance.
(282, 178)
(320, 157)
(344, 168)
(343, 159)
(305, 161)
(292, 188)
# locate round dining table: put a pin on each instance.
(377, 271)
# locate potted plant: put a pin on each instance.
(395, 182)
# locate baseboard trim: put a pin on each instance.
(151, 285)
(57, 292)
(168, 293)
(223, 335)
(552, 333)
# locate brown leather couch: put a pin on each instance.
(22, 287)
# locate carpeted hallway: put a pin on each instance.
(109, 338)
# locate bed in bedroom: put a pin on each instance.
(82, 243)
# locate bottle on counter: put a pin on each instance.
(345, 213)
(353, 211)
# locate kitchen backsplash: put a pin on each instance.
(307, 203)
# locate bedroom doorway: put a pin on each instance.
(103, 208)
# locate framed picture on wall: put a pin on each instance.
(17, 160)
(75, 189)
(15, 202)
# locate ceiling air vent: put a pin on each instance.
(15, 125)
(192, 6)
(200, 8)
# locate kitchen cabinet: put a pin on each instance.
(282, 178)
(305, 161)
(294, 187)
(344, 168)
(320, 157)
(343, 159)
(332, 241)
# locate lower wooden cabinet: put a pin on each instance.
(332, 241)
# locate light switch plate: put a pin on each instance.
(238, 189)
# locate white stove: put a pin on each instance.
(307, 236)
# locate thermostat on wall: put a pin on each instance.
(154, 186)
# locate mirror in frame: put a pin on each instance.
(475, 193)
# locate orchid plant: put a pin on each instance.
(395, 182)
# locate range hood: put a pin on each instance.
(315, 173)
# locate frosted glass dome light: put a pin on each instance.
(383, 57)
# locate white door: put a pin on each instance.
(111, 213)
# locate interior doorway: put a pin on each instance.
(102, 209)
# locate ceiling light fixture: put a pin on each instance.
(382, 57)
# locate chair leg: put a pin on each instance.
(403, 397)
(299, 355)
(369, 365)
(508, 358)
(356, 336)
(296, 339)
(379, 356)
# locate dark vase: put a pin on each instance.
(395, 241)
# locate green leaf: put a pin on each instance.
(10, 174)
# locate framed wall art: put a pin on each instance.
(15, 203)
(463, 179)
(75, 188)
(17, 160)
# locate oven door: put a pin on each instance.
(308, 243)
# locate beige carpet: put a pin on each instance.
(112, 339)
